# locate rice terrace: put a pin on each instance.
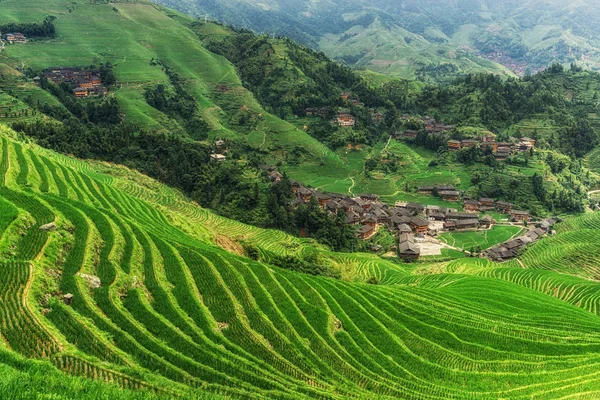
(195, 210)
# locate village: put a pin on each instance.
(416, 225)
(85, 83)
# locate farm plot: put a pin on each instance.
(483, 239)
(172, 313)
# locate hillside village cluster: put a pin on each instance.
(12, 38)
(411, 222)
(85, 83)
(500, 150)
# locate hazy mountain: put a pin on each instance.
(424, 37)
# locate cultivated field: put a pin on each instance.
(483, 239)
(169, 312)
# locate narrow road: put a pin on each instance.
(351, 187)
(387, 144)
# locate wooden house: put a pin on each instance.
(425, 189)
(218, 157)
(352, 217)
(519, 215)
(15, 38)
(295, 186)
(442, 188)
(410, 134)
(304, 194)
(450, 225)
(459, 216)
(366, 232)
(419, 225)
(407, 248)
(472, 206)
(344, 118)
(275, 176)
(370, 220)
(404, 228)
(465, 144)
(449, 195)
(322, 198)
(81, 92)
(415, 208)
(454, 145)
(467, 224)
(486, 221)
(371, 198)
(486, 203)
(503, 207)
(528, 142)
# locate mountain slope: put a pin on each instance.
(412, 39)
(156, 305)
(139, 33)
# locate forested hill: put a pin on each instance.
(253, 92)
(425, 39)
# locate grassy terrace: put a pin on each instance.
(178, 314)
(483, 239)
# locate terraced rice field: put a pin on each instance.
(174, 314)
(483, 239)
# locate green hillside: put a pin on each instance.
(424, 39)
(143, 32)
(114, 285)
(157, 306)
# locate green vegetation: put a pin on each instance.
(133, 283)
(172, 299)
(481, 240)
(428, 40)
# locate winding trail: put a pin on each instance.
(387, 144)
(352, 187)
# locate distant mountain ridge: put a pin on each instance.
(415, 39)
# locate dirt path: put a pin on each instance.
(387, 144)
(264, 140)
(351, 187)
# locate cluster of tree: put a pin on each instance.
(45, 29)
(187, 165)
(290, 82)
(102, 112)
(177, 103)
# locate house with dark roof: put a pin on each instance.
(369, 197)
(366, 232)
(472, 206)
(407, 247)
(450, 225)
(486, 203)
(404, 228)
(304, 193)
(420, 225)
(519, 216)
(503, 207)
(449, 195)
(467, 224)
(486, 221)
(454, 145)
(459, 216)
(415, 208)
(322, 198)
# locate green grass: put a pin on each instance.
(181, 313)
(483, 239)
(178, 313)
